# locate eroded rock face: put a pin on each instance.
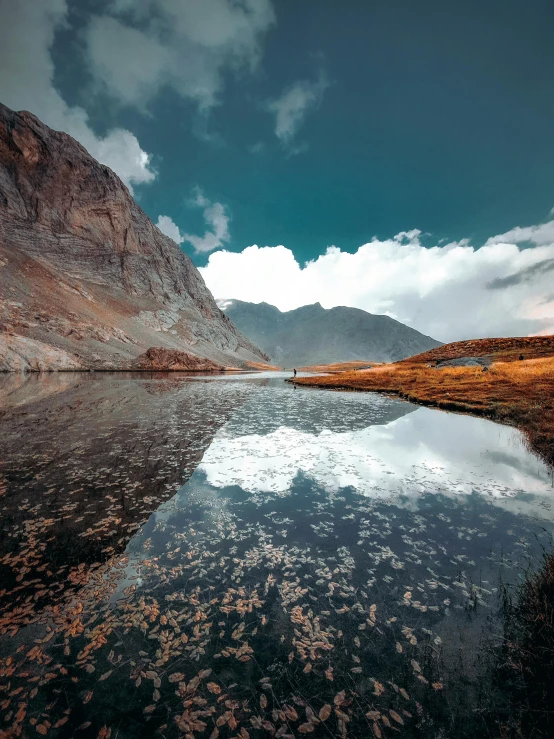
(174, 360)
(83, 269)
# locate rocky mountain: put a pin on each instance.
(314, 335)
(87, 280)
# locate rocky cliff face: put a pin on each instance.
(314, 335)
(87, 280)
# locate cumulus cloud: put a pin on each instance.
(216, 219)
(168, 227)
(217, 233)
(292, 107)
(135, 48)
(27, 30)
(450, 292)
(542, 234)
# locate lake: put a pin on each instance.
(209, 556)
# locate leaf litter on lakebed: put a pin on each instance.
(233, 615)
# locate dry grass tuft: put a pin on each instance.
(526, 666)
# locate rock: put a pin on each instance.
(84, 270)
(171, 359)
(484, 362)
(21, 354)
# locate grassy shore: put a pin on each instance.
(515, 391)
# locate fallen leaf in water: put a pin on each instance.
(290, 713)
(396, 717)
(324, 712)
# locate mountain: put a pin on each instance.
(314, 335)
(87, 280)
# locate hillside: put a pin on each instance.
(313, 335)
(501, 349)
(87, 280)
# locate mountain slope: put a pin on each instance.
(87, 280)
(314, 335)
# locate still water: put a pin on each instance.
(227, 556)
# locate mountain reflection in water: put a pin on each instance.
(230, 557)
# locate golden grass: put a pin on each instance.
(519, 393)
(338, 366)
(264, 366)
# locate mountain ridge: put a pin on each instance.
(312, 334)
(89, 282)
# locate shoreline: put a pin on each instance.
(518, 394)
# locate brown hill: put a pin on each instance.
(498, 350)
(87, 280)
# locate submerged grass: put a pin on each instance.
(511, 391)
(525, 664)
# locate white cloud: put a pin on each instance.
(169, 228)
(449, 292)
(292, 107)
(27, 32)
(138, 47)
(217, 221)
(542, 234)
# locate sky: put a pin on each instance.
(391, 156)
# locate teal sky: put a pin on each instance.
(311, 123)
(435, 115)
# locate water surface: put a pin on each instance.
(228, 556)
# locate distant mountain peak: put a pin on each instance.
(312, 334)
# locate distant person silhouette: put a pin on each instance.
(294, 372)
